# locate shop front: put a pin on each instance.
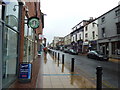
(9, 33)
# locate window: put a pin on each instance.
(103, 32)
(73, 38)
(93, 24)
(76, 37)
(117, 12)
(80, 36)
(11, 17)
(86, 28)
(0, 11)
(93, 34)
(103, 19)
(118, 28)
(10, 43)
(86, 35)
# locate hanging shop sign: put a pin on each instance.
(25, 72)
(33, 22)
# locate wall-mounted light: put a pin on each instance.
(14, 9)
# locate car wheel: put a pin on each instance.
(88, 56)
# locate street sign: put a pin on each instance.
(25, 72)
(33, 22)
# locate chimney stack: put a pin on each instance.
(119, 3)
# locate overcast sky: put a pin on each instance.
(62, 15)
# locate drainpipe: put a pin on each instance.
(19, 29)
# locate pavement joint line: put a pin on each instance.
(61, 74)
(106, 83)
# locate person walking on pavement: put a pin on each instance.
(45, 50)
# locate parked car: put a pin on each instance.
(71, 51)
(66, 50)
(97, 55)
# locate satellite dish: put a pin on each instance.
(12, 20)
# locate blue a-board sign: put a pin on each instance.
(25, 72)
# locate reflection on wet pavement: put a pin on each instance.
(60, 77)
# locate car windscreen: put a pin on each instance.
(100, 53)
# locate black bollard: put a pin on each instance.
(58, 58)
(99, 77)
(55, 55)
(63, 59)
(72, 65)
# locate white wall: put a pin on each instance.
(89, 31)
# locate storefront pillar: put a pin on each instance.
(0, 56)
(110, 49)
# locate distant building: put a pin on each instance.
(77, 36)
(58, 42)
(67, 41)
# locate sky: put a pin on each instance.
(62, 15)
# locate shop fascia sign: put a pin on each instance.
(33, 22)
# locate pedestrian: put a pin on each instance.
(45, 50)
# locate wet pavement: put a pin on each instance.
(58, 76)
(87, 68)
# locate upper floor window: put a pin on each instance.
(11, 16)
(76, 37)
(80, 36)
(103, 32)
(103, 19)
(73, 38)
(93, 24)
(86, 28)
(93, 34)
(118, 28)
(117, 12)
(86, 35)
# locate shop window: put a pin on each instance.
(28, 46)
(10, 43)
(9, 56)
